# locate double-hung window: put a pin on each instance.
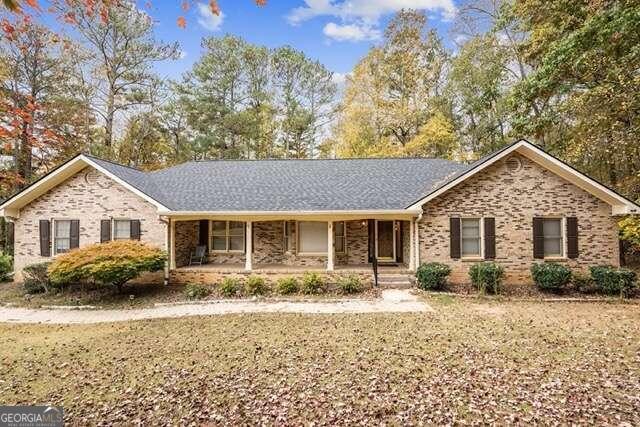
(340, 237)
(227, 236)
(61, 236)
(553, 237)
(121, 229)
(470, 237)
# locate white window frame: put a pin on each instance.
(480, 220)
(113, 228)
(288, 237)
(54, 233)
(299, 235)
(227, 237)
(343, 236)
(563, 237)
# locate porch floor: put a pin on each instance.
(292, 269)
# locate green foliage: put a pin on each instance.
(287, 285)
(433, 276)
(487, 277)
(613, 281)
(350, 285)
(36, 278)
(230, 287)
(6, 263)
(312, 283)
(630, 231)
(255, 285)
(112, 263)
(550, 276)
(583, 283)
(194, 291)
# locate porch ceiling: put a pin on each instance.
(302, 216)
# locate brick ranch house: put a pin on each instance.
(516, 206)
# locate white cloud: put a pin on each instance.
(208, 19)
(366, 10)
(351, 32)
(360, 18)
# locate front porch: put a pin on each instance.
(236, 246)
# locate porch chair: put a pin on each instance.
(198, 255)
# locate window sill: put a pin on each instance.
(310, 254)
(472, 259)
(555, 258)
(227, 252)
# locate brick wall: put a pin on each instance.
(88, 196)
(513, 198)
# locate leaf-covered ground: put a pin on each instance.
(472, 361)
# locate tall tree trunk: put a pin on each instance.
(108, 126)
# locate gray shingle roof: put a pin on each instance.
(288, 185)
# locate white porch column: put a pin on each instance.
(330, 246)
(172, 244)
(417, 243)
(412, 245)
(248, 263)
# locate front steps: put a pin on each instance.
(395, 280)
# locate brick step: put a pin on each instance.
(397, 281)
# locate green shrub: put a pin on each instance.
(287, 285)
(230, 287)
(350, 285)
(312, 283)
(255, 285)
(195, 291)
(112, 263)
(36, 278)
(613, 281)
(6, 263)
(433, 276)
(583, 283)
(487, 277)
(550, 276)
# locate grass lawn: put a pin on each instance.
(471, 360)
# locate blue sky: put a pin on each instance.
(335, 32)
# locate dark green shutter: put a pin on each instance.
(135, 229)
(454, 237)
(45, 237)
(105, 230)
(538, 238)
(75, 234)
(203, 233)
(490, 238)
(572, 237)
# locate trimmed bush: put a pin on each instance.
(36, 278)
(195, 291)
(550, 276)
(432, 276)
(487, 277)
(287, 285)
(6, 263)
(255, 285)
(312, 283)
(112, 263)
(350, 285)
(613, 281)
(583, 283)
(230, 287)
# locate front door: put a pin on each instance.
(385, 241)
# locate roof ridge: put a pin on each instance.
(91, 156)
(319, 159)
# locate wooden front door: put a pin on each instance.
(385, 241)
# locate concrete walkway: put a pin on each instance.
(392, 301)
